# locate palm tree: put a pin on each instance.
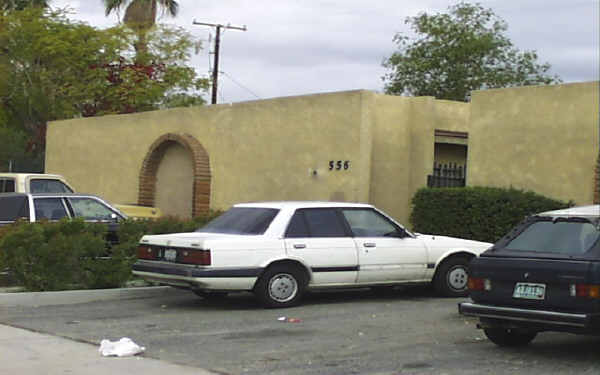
(141, 12)
(140, 15)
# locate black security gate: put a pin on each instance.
(447, 175)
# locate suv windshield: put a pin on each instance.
(560, 236)
(241, 220)
(45, 185)
(7, 185)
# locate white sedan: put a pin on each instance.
(279, 250)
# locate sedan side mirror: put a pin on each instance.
(398, 233)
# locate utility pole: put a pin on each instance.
(215, 72)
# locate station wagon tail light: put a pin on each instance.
(199, 257)
(584, 290)
(479, 284)
(147, 252)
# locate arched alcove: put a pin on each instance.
(201, 171)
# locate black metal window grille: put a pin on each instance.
(447, 175)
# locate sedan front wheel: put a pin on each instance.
(452, 277)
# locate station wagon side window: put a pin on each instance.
(369, 223)
(49, 208)
(316, 222)
(45, 185)
(90, 209)
(7, 185)
(13, 208)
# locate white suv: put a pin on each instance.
(33, 183)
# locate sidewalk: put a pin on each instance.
(70, 297)
(29, 353)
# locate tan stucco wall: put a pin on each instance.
(261, 150)
(403, 147)
(390, 173)
(542, 138)
(174, 181)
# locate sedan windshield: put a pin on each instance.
(563, 237)
(241, 220)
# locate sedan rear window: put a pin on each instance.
(563, 237)
(242, 220)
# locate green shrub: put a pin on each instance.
(57, 255)
(479, 213)
(72, 254)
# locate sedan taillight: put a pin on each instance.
(199, 257)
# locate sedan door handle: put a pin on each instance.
(368, 244)
(299, 246)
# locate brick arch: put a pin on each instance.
(202, 177)
(597, 182)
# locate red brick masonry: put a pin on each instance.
(201, 189)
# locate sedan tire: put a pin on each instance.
(452, 276)
(281, 286)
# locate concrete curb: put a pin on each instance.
(72, 297)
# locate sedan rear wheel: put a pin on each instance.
(280, 286)
(509, 337)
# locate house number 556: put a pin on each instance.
(339, 164)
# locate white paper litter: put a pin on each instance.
(125, 347)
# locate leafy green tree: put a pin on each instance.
(53, 68)
(14, 154)
(11, 5)
(459, 51)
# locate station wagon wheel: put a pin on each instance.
(452, 276)
(509, 337)
(280, 286)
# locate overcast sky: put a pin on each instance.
(294, 47)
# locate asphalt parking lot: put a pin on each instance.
(343, 332)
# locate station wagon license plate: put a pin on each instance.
(170, 255)
(529, 291)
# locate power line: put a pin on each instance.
(215, 72)
(240, 85)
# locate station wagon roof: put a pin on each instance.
(49, 195)
(593, 210)
(302, 204)
(36, 175)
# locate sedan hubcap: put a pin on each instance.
(457, 278)
(283, 287)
